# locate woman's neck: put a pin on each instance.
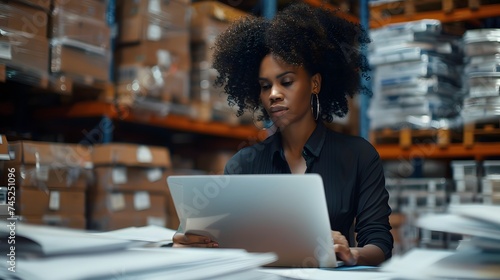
(295, 137)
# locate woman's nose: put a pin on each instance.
(275, 94)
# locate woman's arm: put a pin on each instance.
(370, 254)
(374, 238)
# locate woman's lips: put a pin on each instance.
(278, 111)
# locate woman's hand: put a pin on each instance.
(192, 240)
(342, 249)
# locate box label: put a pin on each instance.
(141, 201)
(144, 154)
(42, 173)
(117, 201)
(154, 174)
(119, 175)
(5, 50)
(54, 200)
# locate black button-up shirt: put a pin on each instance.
(352, 174)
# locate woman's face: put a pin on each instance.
(285, 91)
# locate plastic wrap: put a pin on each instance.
(481, 42)
(26, 59)
(210, 18)
(442, 48)
(427, 66)
(172, 51)
(484, 64)
(411, 85)
(22, 20)
(418, 117)
(480, 108)
(157, 82)
(95, 9)
(425, 26)
(67, 26)
(484, 84)
(80, 60)
(152, 19)
(408, 54)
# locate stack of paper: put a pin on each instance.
(41, 252)
(477, 257)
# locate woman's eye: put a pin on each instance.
(265, 87)
(287, 83)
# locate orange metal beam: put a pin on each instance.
(319, 3)
(462, 14)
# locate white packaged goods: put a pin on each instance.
(484, 84)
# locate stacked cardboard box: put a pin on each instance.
(50, 182)
(4, 186)
(24, 45)
(209, 19)
(80, 40)
(130, 186)
(153, 59)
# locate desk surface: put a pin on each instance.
(345, 273)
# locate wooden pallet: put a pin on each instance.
(406, 137)
(411, 7)
(487, 130)
(23, 76)
(81, 88)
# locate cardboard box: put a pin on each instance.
(214, 162)
(55, 155)
(140, 82)
(177, 88)
(82, 62)
(122, 178)
(44, 4)
(152, 20)
(24, 53)
(120, 220)
(23, 19)
(4, 148)
(39, 202)
(43, 177)
(144, 28)
(106, 203)
(94, 9)
(171, 51)
(130, 155)
(209, 18)
(76, 222)
(66, 26)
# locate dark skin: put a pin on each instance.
(285, 94)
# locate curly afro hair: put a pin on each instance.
(315, 38)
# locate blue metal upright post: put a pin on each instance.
(364, 121)
(111, 20)
(269, 8)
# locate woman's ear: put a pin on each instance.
(316, 83)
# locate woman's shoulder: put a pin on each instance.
(243, 161)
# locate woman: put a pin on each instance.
(296, 72)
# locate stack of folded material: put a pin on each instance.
(42, 252)
(417, 77)
(482, 74)
(477, 256)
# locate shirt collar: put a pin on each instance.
(313, 145)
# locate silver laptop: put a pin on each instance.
(282, 213)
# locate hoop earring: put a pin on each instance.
(260, 122)
(315, 107)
